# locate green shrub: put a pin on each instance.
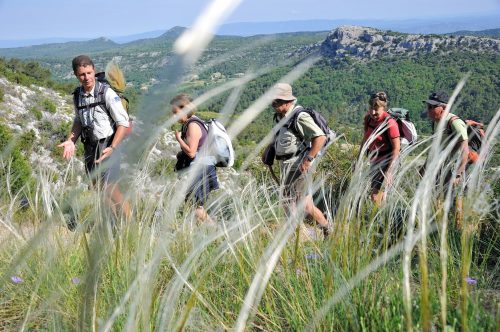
(26, 141)
(2, 94)
(48, 106)
(20, 169)
(36, 112)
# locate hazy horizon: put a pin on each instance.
(50, 19)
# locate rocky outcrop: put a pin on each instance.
(366, 43)
(22, 111)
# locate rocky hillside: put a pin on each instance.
(39, 111)
(366, 43)
(43, 118)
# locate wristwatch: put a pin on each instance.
(308, 157)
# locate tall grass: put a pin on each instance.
(161, 271)
(403, 266)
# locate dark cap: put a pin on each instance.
(437, 98)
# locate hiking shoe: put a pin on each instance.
(71, 222)
(327, 230)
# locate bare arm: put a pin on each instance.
(316, 145)
(119, 134)
(464, 147)
(193, 136)
(69, 144)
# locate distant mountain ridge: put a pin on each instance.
(495, 33)
(469, 25)
(423, 26)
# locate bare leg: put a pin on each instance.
(314, 212)
(202, 216)
(377, 196)
(116, 198)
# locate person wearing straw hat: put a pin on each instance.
(101, 122)
(296, 149)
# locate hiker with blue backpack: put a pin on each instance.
(101, 122)
(192, 140)
(381, 141)
(296, 146)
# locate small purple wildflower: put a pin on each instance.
(75, 280)
(471, 281)
(313, 256)
(16, 280)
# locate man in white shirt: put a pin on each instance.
(101, 121)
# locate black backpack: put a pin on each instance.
(100, 92)
(475, 133)
(320, 122)
(270, 153)
(100, 89)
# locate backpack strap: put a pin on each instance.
(385, 134)
(99, 94)
(100, 89)
(199, 121)
(450, 121)
(294, 119)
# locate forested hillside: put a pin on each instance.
(356, 61)
(342, 90)
(421, 260)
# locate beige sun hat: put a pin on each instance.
(283, 91)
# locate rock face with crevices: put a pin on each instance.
(368, 43)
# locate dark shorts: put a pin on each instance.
(377, 173)
(109, 170)
(203, 184)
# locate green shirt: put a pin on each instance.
(458, 127)
(307, 127)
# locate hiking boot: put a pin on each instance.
(71, 222)
(327, 230)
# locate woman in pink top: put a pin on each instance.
(381, 132)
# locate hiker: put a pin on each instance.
(454, 128)
(191, 139)
(101, 122)
(384, 148)
(296, 148)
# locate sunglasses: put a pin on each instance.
(278, 102)
(431, 107)
(381, 96)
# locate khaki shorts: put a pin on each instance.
(294, 184)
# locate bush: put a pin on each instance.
(20, 169)
(48, 106)
(36, 112)
(2, 94)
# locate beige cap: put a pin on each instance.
(283, 91)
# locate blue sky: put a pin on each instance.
(30, 19)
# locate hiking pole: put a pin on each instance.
(273, 175)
